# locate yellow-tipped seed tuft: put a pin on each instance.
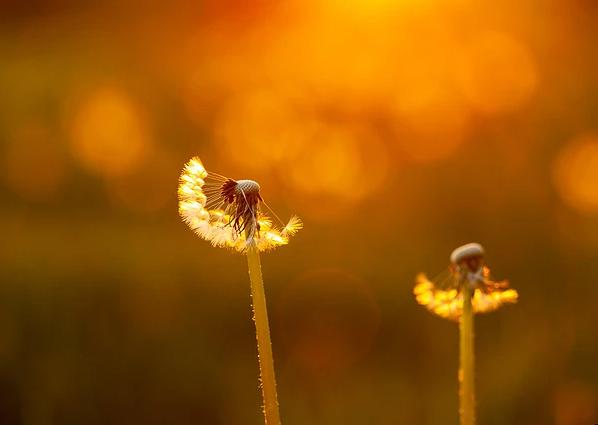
(444, 297)
(228, 212)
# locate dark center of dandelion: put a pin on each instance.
(242, 198)
(472, 263)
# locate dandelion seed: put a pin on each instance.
(466, 289)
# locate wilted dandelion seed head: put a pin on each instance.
(228, 212)
(445, 298)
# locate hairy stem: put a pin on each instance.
(264, 345)
(466, 369)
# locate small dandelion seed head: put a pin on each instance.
(467, 268)
(228, 212)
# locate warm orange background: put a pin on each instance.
(397, 129)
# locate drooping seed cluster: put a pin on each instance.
(228, 212)
(445, 298)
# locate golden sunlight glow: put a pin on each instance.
(433, 128)
(365, 8)
(262, 129)
(425, 69)
(338, 164)
(109, 135)
(497, 73)
(211, 217)
(448, 303)
(575, 173)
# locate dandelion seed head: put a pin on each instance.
(466, 268)
(228, 212)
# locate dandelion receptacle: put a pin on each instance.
(229, 214)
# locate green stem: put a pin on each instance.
(264, 345)
(466, 370)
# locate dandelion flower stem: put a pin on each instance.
(264, 345)
(466, 370)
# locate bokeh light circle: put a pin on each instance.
(575, 173)
(342, 162)
(496, 72)
(110, 136)
(433, 128)
(261, 129)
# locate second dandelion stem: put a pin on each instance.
(466, 369)
(264, 345)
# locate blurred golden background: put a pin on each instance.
(397, 130)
